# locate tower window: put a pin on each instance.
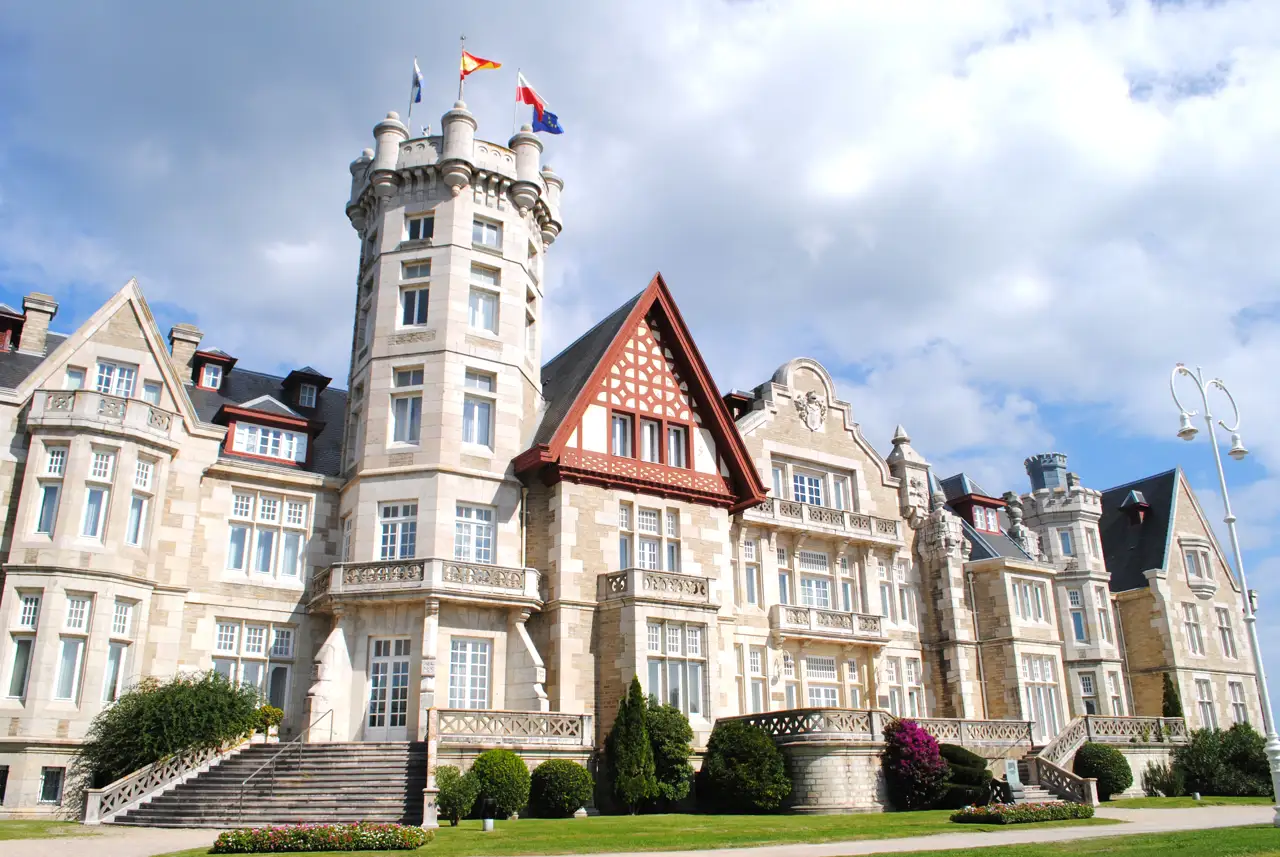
(413, 307)
(477, 409)
(416, 270)
(419, 228)
(486, 234)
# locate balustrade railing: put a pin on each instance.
(975, 733)
(661, 585)
(1065, 784)
(53, 406)
(804, 723)
(1050, 762)
(542, 728)
(104, 804)
(785, 617)
(790, 511)
(434, 575)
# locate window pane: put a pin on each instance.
(266, 551)
(95, 501)
(48, 509)
(292, 554)
(137, 512)
(68, 668)
(236, 546)
(115, 668)
(21, 667)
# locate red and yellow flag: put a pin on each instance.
(473, 63)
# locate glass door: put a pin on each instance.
(388, 714)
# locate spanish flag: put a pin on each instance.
(473, 63)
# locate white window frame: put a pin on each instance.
(211, 376)
(479, 408)
(307, 395)
(1204, 703)
(677, 665)
(471, 670)
(268, 442)
(406, 419)
(397, 530)
(256, 665)
(620, 435)
(486, 233)
(415, 308)
(1226, 633)
(1239, 701)
(1192, 629)
(484, 300)
(416, 223)
(475, 533)
(115, 379)
(267, 518)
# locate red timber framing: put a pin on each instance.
(677, 392)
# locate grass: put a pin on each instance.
(1223, 842)
(42, 829)
(1187, 802)
(682, 832)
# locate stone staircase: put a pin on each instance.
(333, 783)
(1031, 793)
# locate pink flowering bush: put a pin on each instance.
(1021, 813)
(322, 837)
(914, 771)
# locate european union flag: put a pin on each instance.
(549, 123)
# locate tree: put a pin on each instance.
(670, 735)
(744, 770)
(628, 752)
(914, 771)
(1172, 706)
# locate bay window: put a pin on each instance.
(676, 665)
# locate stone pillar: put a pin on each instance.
(430, 795)
(427, 686)
(332, 668)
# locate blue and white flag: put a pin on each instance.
(416, 91)
(548, 122)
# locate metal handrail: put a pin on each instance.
(271, 762)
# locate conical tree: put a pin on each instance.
(1172, 702)
(630, 756)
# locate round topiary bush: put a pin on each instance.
(503, 777)
(955, 755)
(915, 774)
(744, 770)
(1107, 764)
(457, 793)
(559, 788)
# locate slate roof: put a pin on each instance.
(1128, 548)
(983, 545)
(15, 366)
(242, 385)
(961, 485)
(565, 374)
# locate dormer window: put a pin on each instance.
(270, 442)
(986, 519)
(307, 396)
(211, 376)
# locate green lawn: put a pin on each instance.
(41, 829)
(1223, 842)
(681, 832)
(1186, 802)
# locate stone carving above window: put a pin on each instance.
(811, 408)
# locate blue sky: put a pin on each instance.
(998, 222)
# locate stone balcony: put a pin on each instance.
(790, 515)
(815, 623)
(89, 409)
(666, 587)
(414, 579)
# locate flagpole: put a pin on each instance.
(462, 78)
(408, 119)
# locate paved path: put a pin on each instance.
(147, 842)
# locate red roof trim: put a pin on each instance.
(249, 415)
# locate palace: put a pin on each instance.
(473, 547)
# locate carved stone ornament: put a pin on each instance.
(1025, 537)
(942, 536)
(812, 410)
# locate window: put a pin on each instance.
(806, 488)
(677, 665)
(242, 654)
(1092, 536)
(399, 525)
(1040, 683)
(1113, 690)
(530, 334)
(477, 409)
(473, 534)
(1030, 600)
(784, 587)
(486, 234)
(274, 528)
(483, 301)
(135, 531)
(468, 673)
(886, 593)
(677, 446)
(211, 376)
(55, 461)
(78, 613)
(1225, 633)
(1204, 702)
(413, 306)
(346, 538)
(419, 228)
(893, 680)
(840, 492)
(122, 619)
(70, 661)
(993, 520)
(621, 436)
(415, 270)
(272, 443)
(115, 379)
(1089, 693)
(848, 602)
(819, 670)
(103, 463)
(756, 676)
(789, 672)
(1076, 603)
(74, 379)
(1104, 613)
(907, 608)
(51, 785)
(815, 591)
(1191, 626)
(48, 513)
(113, 678)
(1198, 565)
(915, 687)
(151, 392)
(751, 573)
(21, 670)
(625, 537)
(1239, 708)
(673, 541)
(307, 394)
(650, 440)
(1064, 537)
(779, 481)
(29, 612)
(406, 419)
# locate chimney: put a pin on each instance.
(184, 339)
(37, 310)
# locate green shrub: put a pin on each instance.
(628, 753)
(957, 755)
(1224, 762)
(503, 777)
(915, 774)
(154, 720)
(457, 793)
(1162, 779)
(322, 837)
(958, 797)
(268, 716)
(961, 775)
(743, 770)
(670, 736)
(1107, 764)
(559, 788)
(969, 781)
(1171, 706)
(1021, 813)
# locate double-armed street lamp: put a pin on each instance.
(1188, 431)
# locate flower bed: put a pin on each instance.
(1021, 813)
(321, 837)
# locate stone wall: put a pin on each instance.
(835, 777)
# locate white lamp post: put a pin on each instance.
(1187, 431)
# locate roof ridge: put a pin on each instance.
(592, 329)
(1173, 469)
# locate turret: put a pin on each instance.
(912, 473)
(459, 142)
(527, 187)
(1047, 470)
(389, 134)
(359, 178)
(555, 184)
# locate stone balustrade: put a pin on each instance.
(789, 513)
(656, 585)
(468, 727)
(102, 805)
(1133, 730)
(1052, 760)
(91, 409)
(440, 578)
(815, 622)
(818, 724)
(978, 733)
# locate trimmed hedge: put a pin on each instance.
(1105, 763)
(957, 755)
(969, 781)
(559, 788)
(502, 776)
(457, 795)
(322, 837)
(744, 770)
(1021, 813)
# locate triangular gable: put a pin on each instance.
(646, 362)
(271, 405)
